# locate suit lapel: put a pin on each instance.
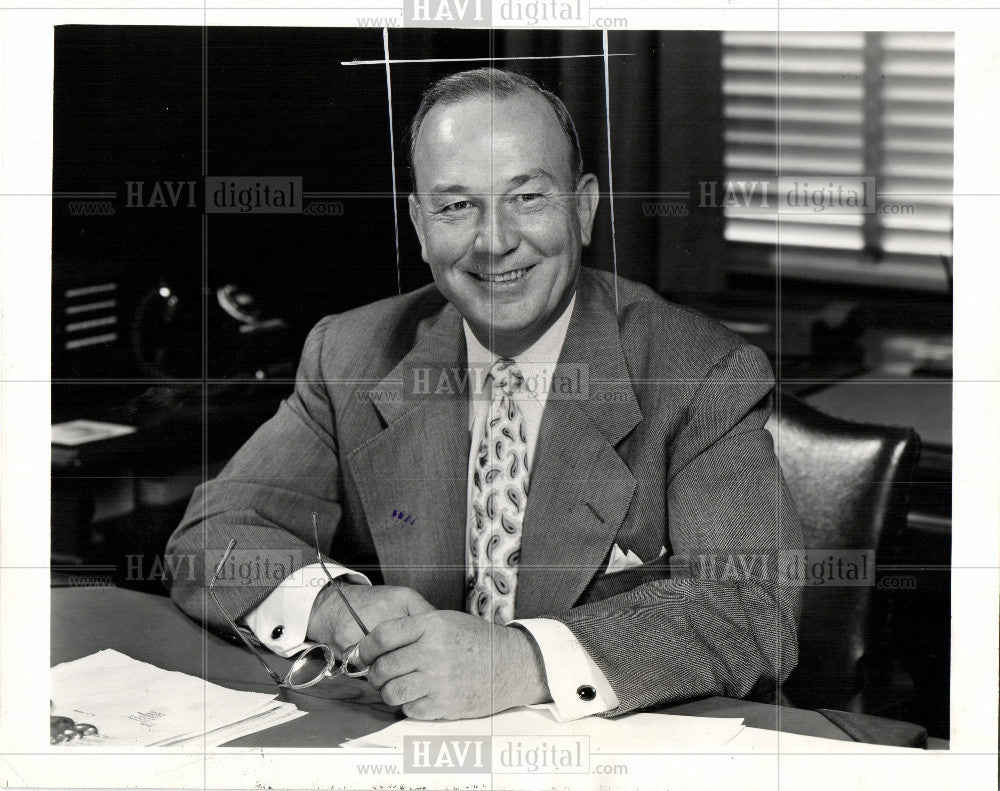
(412, 476)
(580, 489)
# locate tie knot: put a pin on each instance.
(507, 377)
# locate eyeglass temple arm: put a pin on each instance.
(343, 598)
(211, 589)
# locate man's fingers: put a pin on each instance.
(393, 664)
(421, 709)
(404, 689)
(388, 636)
(418, 604)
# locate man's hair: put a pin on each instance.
(498, 85)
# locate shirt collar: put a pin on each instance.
(538, 360)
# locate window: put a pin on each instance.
(812, 119)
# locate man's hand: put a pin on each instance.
(330, 621)
(449, 665)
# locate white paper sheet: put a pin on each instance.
(635, 733)
(134, 703)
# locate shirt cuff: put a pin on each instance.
(281, 620)
(576, 683)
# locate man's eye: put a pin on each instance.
(459, 205)
(528, 197)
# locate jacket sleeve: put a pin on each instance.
(722, 620)
(264, 498)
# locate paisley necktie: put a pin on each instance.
(499, 496)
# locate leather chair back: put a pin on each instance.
(849, 482)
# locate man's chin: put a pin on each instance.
(505, 335)
(507, 316)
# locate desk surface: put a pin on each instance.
(151, 629)
(924, 404)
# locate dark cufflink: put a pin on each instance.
(586, 692)
(276, 632)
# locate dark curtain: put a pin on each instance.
(666, 135)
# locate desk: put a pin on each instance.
(924, 404)
(151, 629)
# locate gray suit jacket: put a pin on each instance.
(667, 449)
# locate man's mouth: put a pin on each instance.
(504, 277)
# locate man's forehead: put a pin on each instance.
(517, 134)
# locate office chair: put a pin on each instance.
(849, 482)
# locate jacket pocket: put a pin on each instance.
(604, 586)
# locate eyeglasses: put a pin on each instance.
(315, 663)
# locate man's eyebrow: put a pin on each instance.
(451, 189)
(515, 181)
(524, 178)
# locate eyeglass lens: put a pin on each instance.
(310, 666)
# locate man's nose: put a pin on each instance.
(496, 235)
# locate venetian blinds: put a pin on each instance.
(839, 148)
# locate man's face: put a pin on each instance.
(500, 220)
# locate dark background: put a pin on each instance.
(129, 107)
(174, 104)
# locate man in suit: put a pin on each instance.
(536, 482)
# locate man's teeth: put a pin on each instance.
(506, 277)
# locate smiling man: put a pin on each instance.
(509, 541)
(501, 206)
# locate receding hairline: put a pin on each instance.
(496, 85)
(552, 119)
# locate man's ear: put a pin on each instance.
(417, 218)
(587, 196)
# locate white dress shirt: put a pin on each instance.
(280, 621)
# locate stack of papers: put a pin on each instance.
(635, 733)
(136, 704)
